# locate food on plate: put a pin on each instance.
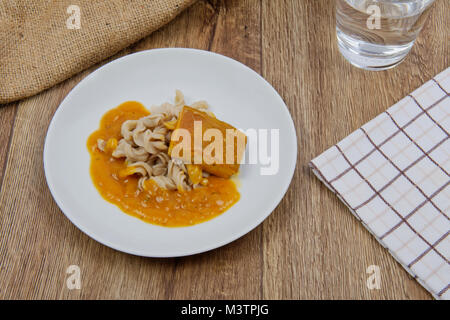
(152, 165)
(229, 140)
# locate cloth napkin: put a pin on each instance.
(41, 44)
(393, 175)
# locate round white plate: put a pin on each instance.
(236, 94)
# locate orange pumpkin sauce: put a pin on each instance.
(154, 205)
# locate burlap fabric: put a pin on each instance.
(41, 44)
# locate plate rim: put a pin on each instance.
(116, 246)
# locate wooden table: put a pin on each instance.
(310, 247)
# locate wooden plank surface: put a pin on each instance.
(310, 247)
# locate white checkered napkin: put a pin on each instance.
(393, 174)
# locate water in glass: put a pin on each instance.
(378, 34)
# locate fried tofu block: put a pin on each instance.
(213, 144)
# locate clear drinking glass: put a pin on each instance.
(378, 34)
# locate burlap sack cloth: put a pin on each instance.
(38, 50)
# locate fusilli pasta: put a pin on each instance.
(145, 143)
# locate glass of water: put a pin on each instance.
(378, 34)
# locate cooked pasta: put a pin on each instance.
(136, 166)
(145, 143)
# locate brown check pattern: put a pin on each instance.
(393, 174)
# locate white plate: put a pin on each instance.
(237, 95)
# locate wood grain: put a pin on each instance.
(310, 247)
(7, 118)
